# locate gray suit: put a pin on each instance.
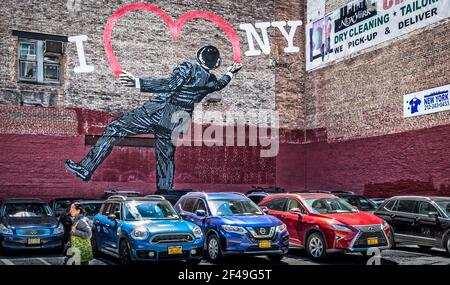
(188, 84)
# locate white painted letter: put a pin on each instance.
(78, 40)
(288, 36)
(263, 43)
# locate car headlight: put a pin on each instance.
(234, 229)
(281, 228)
(341, 228)
(59, 229)
(139, 233)
(5, 230)
(197, 232)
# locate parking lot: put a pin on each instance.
(399, 256)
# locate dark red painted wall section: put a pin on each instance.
(415, 162)
(32, 165)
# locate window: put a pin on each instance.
(406, 206)
(293, 203)
(188, 205)
(445, 206)
(424, 208)
(201, 205)
(277, 204)
(40, 64)
(115, 209)
(105, 209)
(390, 205)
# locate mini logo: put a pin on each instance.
(262, 231)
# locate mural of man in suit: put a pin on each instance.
(188, 84)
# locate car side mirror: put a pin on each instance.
(200, 213)
(434, 215)
(264, 209)
(298, 212)
(112, 217)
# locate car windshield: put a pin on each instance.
(445, 207)
(329, 206)
(21, 210)
(91, 209)
(149, 210)
(236, 207)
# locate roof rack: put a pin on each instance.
(117, 197)
(159, 197)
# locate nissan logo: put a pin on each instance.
(262, 231)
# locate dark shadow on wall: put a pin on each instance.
(406, 187)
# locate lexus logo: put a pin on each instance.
(262, 231)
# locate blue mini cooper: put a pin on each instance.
(145, 229)
(233, 224)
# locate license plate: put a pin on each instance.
(34, 241)
(372, 241)
(265, 244)
(175, 250)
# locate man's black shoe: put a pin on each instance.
(80, 171)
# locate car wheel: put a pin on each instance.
(213, 250)
(316, 247)
(276, 257)
(124, 253)
(448, 244)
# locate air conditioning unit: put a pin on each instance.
(53, 47)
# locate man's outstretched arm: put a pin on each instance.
(223, 81)
(159, 85)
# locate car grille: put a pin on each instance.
(32, 232)
(367, 232)
(261, 232)
(172, 238)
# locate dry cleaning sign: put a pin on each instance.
(365, 23)
(426, 102)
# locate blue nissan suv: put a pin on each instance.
(233, 224)
(145, 229)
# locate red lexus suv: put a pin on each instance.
(324, 223)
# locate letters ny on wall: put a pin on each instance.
(363, 24)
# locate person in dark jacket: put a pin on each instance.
(188, 84)
(79, 238)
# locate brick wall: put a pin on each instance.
(363, 96)
(143, 46)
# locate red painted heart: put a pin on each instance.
(174, 27)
